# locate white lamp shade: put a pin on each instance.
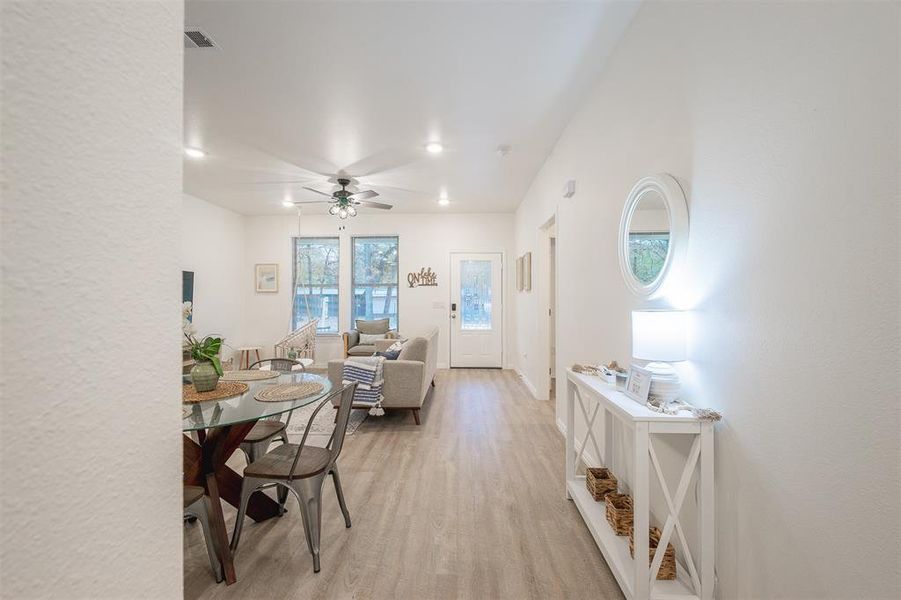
(659, 335)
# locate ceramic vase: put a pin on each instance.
(204, 376)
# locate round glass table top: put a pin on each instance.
(244, 408)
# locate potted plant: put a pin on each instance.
(207, 369)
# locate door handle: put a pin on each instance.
(453, 315)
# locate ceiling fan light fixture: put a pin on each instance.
(342, 213)
(333, 209)
(351, 211)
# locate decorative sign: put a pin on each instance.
(425, 277)
(638, 384)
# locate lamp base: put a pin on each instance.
(665, 382)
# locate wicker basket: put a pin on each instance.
(668, 566)
(619, 512)
(599, 482)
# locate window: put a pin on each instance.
(647, 254)
(475, 294)
(375, 279)
(316, 283)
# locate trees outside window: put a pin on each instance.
(316, 290)
(375, 279)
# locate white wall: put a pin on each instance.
(90, 443)
(426, 240)
(782, 121)
(212, 245)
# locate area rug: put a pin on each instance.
(324, 422)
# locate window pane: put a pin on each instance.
(647, 254)
(475, 294)
(316, 283)
(375, 279)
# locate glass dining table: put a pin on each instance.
(219, 427)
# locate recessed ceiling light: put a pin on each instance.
(434, 147)
(288, 204)
(195, 152)
(443, 201)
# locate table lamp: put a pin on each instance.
(661, 336)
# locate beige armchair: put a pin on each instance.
(407, 379)
(352, 345)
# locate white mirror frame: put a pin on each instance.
(677, 212)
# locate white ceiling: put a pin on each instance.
(298, 91)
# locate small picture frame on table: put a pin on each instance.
(638, 384)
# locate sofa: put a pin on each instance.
(407, 379)
(352, 341)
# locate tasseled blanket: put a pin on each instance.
(366, 372)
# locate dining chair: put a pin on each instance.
(271, 428)
(302, 470)
(196, 504)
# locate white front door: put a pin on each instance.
(476, 310)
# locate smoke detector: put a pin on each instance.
(195, 38)
(503, 150)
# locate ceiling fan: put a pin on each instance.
(344, 203)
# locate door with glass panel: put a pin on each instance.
(476, 316)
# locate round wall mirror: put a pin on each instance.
(653, 234)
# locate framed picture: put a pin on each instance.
(519, 273)
(527, 271)
(267, 278)
(638, 384)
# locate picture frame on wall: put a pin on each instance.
(519, 273)
(527, 271)
(266, 277)
(638, 384)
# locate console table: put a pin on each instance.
(638, 579)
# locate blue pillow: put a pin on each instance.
(389, 354)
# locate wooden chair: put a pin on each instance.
(271, 428)
(302, 470)
(196, 505)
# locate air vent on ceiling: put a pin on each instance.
(194, 38)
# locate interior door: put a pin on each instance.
(476, 316)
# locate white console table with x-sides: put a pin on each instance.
(637, 578)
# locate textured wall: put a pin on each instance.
(782, 119)
(91, 452)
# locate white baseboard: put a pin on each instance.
(587, 457)
(527, 383)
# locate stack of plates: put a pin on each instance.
(665, 387)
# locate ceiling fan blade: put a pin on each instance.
(273, 182)
(369, 204)
(313, 202)
(364, 195)
(317, 191)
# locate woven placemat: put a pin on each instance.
(285, 392)
(249, 375)
(225, 389)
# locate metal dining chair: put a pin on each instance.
(196, 504)
(269, 429)
(302, 470)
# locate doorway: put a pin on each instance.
(476, 316)
(549, 275)
(552, 312)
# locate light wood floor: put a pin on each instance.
(469, 505)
